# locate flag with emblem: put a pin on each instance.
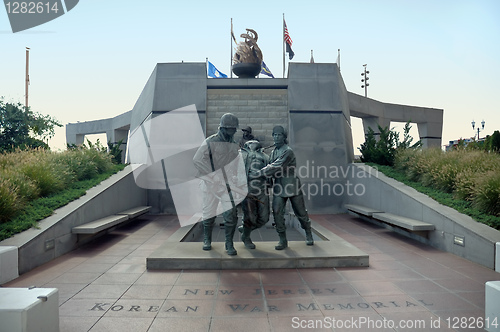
(265, 70)
(214, 72)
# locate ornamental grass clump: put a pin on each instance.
(10, 203)
(486, 193)
(471, 175)
(41, 167)
(30, 174)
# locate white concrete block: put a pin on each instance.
(497, 257)
(8, 264)
(27, 310)
(492, 306)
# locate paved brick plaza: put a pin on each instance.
(105, 287)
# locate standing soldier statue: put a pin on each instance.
(215, 160)
(286, 186)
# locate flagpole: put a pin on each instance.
(27, 76)
(338, 60)
(231, 60)
(283, 45)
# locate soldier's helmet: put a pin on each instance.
(229, 120)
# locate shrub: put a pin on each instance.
(471, 175)
(486, 193)
(46, 178)
(384, 151)
(23, 185)
(115, 151)
(492, 142)
(380, 152)
(30, 174)
(9, 200)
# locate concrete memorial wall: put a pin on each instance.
(312, 104)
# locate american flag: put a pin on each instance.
(288, 40)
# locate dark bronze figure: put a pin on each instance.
(281, 169)
(255, 207)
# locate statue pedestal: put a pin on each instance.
(328, 250)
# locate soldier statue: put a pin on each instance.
(281, 169)
(211, 160)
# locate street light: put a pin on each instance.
(478, 129)
(365, 80)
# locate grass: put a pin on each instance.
(44, 207)
(33, 183)
(442, 185)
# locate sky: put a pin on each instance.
(93, 62)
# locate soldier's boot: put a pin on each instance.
(229, 241)
(245, 237)
(207, 237)
(283, 243)
(309, 237)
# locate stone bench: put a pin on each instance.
(403, 222)
(9, 269)
(105, 223)
(29, 309)
(363, 210)
(415, 226)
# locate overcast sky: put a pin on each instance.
(93, 62)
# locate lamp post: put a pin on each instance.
(365, 80)
(478, 129)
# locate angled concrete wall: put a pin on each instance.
(374, 113)
(313, 104)
(320, 131)
(116, 194)
(116, 129)
(171, 86)
(373, 189)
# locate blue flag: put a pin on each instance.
(214, 72)
(265, 70)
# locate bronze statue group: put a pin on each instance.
(261, 172)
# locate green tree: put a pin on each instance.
(369, 147)
(22, 128)
(407, 139)
(383, 151)
(115, 151)
(492, 142)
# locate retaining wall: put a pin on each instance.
(54, 238)
(389, 195)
